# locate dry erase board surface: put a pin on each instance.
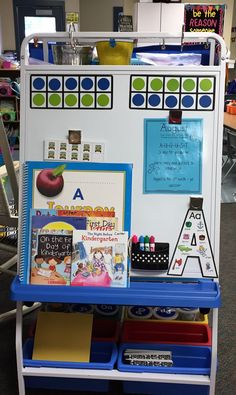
(112, 107)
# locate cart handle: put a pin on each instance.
(92, 37)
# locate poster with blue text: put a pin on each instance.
(173, 156)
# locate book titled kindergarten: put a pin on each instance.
(99, 259)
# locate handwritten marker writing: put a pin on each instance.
(141, 243)
(146, 244)
(152, 243)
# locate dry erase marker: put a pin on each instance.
(146, 244)
(141, 243)
(134, 239)
(152, 243)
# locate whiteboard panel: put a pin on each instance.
(121, 128)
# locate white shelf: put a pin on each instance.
(117, 375)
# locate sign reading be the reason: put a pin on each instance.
(204, 18)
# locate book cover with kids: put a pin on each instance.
(99, 259)
(51, 257)
(51, 248)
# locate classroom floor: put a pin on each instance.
(228, 186)
(226, 376)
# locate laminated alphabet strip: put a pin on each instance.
(71, 92)
(159, 92)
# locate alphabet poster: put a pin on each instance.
(193, 242)
(173, 156)
(204, 18)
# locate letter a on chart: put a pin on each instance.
(193, 242)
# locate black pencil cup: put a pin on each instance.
(150, 260)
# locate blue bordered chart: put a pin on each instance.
(71, 92)
(173, 156)
(158, 92)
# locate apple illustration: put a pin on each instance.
(50, 182)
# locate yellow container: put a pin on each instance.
(120, 53)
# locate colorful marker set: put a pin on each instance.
(146, 243)
(147, 254)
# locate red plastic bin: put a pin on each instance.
(166, 332)
(104, 330)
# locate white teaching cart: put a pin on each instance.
(114, 105)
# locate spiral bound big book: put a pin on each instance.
(73, 186)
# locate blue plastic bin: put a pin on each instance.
(132, 387)
(186, 359)
(66, 384)
(103, 355)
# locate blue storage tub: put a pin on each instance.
(186, 359)
(133, 387)
(103, 355)
(67, 384)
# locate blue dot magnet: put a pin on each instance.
(205, 101)
(38, 83)
(87, 83)
(71, 83)
(54, 84)
(171, 101)
(187, 101)
(103, 83)
(138, 100)
(154, 100)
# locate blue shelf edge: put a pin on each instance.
(179, 294)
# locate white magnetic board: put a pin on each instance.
(118, 123)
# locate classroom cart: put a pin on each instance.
(121, 107)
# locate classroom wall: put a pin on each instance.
(97, 15)
(72, 5)
(7, 25)
(129, 6)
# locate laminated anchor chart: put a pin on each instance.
(194, 242)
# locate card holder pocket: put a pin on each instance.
(150, 260)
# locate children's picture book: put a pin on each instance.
(103, 187)
(88, 213)
(102, 223)
(88, 221)
(42, 256)
(51, 253)
(58, 222)
(99, 259)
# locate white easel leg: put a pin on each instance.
(214, 351)
(19, 353)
